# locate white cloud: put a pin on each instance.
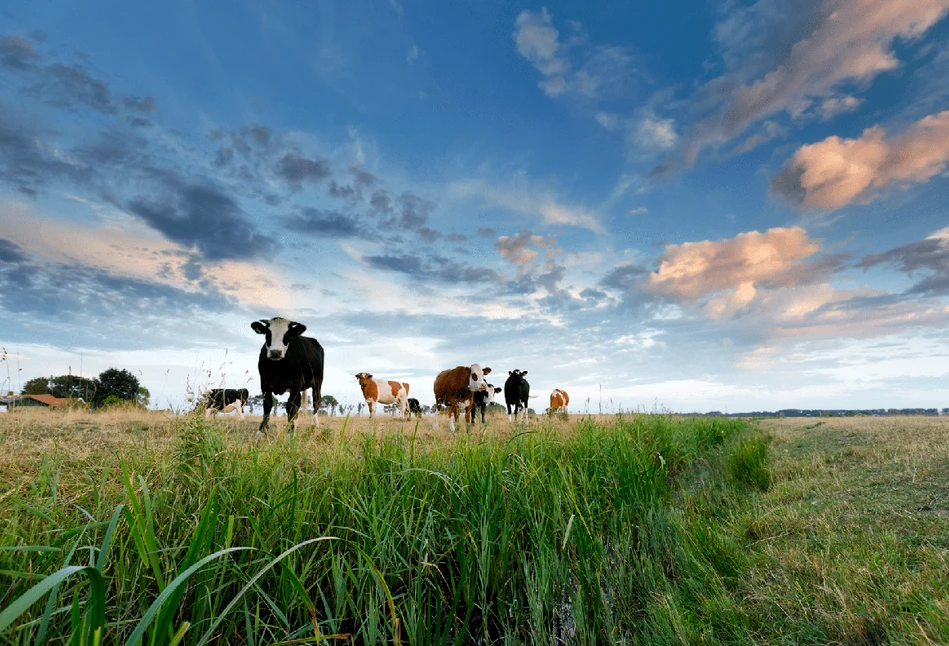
(529, 200)
(570, 66)
(654, 134)
(833, 106)
(608, 120)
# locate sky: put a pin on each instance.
(715, 205)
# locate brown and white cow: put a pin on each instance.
(383, 391)
(559, 399)
(456, 387)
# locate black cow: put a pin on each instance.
(516, 393)
(481, 400)
(415, 406)
(288, 362)
(224, 400)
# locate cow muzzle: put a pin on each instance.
(276, 355)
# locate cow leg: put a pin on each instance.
(372, 408)
(268, 406)
(208, 412)
(317, 398)
(293, 406)
(452, 414)
(240, 410)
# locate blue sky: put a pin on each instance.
(733, 206)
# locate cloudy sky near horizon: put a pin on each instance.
(741, 206)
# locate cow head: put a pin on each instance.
(476, 380)
(279, 332)
(492, 390)
(516, 375)
(363, 376)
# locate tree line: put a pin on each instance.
(112, 386)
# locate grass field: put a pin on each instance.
(606, 529)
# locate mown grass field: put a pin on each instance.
(639, 529)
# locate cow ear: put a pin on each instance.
(523, 373)
(296, 329)
(259, 327)
(368, 376)
(486, 371)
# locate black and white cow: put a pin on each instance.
(224, 400)
(415, 407)
(481, 400)
(288, 362)
(516, 393)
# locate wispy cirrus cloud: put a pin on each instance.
(531, 200)
(830, 46)
(836, 172)
(571, 65)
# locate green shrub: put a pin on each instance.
(748, 463)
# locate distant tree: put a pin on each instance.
(359, 408)
(255, 402)
(111, 401)
(73, 387)
(37, 386)
(329, 402)
(113, 382)
(143, 397)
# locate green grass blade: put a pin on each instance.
(54, 593)
(179, 580)
(201, 539)
(107, 539)
(95, 606)
(207, 635)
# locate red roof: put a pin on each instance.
(49, 400)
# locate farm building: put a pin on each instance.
(44, 401)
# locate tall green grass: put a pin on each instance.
(603, 534)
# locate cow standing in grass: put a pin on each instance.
(481, 400)
(516, 393)
(383, 391)
(456, 388)
(224, 400)
(559, 400)
(288, 362)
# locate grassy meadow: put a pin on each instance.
(125, 528)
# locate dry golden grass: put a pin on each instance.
(27, 435)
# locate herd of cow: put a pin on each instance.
(291, 362)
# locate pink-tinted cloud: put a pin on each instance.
(835, 172)
(694, 270)
(517, 249)
(842, 42)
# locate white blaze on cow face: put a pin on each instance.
(476, 380)
(279, 331)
